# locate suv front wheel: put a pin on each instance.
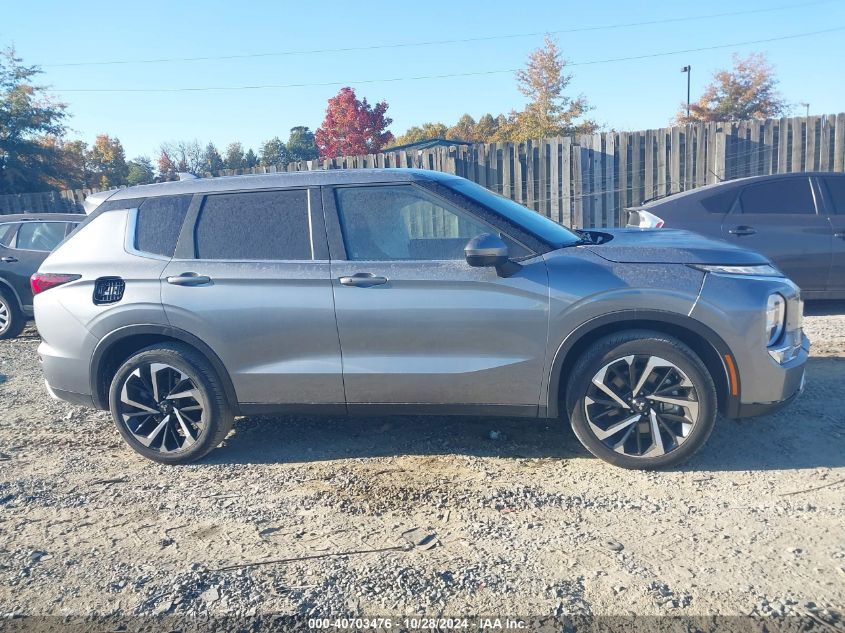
(641, 399)
(169, 404)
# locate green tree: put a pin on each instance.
(486, 129)
(549, 111)
(301, 144)
(747, 91)
(250, 159)
(28, 116)
(273, 152)
(140, 171)
(463, 130)
(234, 156)
(107, 162)
(421, 133)
(212, 161)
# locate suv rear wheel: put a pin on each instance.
(169, 404)
(12, 320)
(641, 399)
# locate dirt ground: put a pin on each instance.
(421, 515)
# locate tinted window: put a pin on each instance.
(257, 225)
(40, 236)
(6, 233)
(835, 190)
(402, 222)
(720, 202)
(159, 223)
(790, 195)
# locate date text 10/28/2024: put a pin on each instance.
(417, 623)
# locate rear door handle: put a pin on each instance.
(8, 260)
(363, 280)
(189, 279)
(841, 236)
(742, 230)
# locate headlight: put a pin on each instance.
(761, 270)
(775, 317)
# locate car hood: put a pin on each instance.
(669, 246)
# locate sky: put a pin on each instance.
(625, 95)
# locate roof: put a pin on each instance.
(427, 144)
(29, 217)
(273, 181)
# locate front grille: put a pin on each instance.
(108, 290)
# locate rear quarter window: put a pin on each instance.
(159, 223)
(719, 202)
(258, 225)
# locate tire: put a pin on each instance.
(175, 382)
(12, 320)
(673, 370)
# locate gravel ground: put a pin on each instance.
(421, 515)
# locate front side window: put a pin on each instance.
(159, 223)
(835, 188)
(260, 225)
(402, 222)
(789, 195)
(40, 236)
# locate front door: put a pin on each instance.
(418, 326)
(834, 192)
(254, 285)
(778, 218)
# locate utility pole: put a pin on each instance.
(806, 105)
(688, 71)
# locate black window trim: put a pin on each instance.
(186, 244)
(337, 245)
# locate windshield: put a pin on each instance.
(547, 230)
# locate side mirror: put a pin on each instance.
(490, 251)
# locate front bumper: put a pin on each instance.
(795, 378)
(767, 378)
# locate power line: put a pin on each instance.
(444, 76)
(349, 49)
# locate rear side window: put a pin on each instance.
(159, 223)
(789, 195)
(835, 190)
(267, 225)
(40, 236)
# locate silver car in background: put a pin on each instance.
(181, 305)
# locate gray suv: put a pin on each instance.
(180, 305)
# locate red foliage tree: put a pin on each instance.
(352, 127)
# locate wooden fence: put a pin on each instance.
(589, 180)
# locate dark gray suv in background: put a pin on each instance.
(180, 305)
(796, 220)
(25, 241)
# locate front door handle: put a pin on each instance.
(8, 260)
(363, 280)
(742, 230)
(189, 279)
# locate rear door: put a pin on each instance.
(833, 190)
(418, 326)
(778, 218)
(251, 279)
(27, 248)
